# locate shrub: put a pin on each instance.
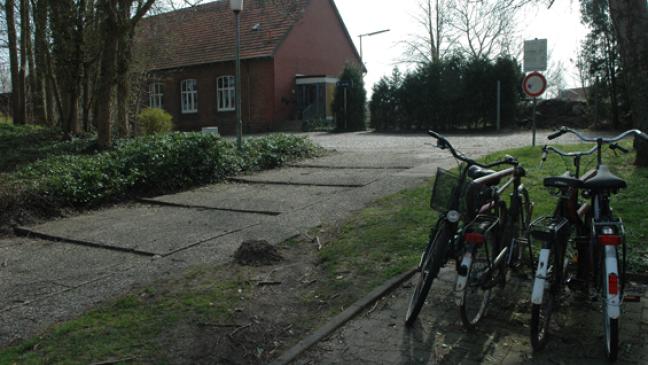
(353, 118)
(155, 164)
(154, 120)
(23, 144)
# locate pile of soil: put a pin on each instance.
(257, 253)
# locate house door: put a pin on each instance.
(311, 101)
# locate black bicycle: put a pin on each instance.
(493, 243)
(460, 199)
(597, 233)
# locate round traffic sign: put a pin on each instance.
(534, 84)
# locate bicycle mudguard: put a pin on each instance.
(477, 230)
(462, 277)
(540, 277)
(613, 300)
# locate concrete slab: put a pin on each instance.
(317, 177)
(266, 199)
(371, 160)
(146, 229)
(33, 269)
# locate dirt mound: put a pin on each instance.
(256, 253)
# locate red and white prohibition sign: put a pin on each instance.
(534, 84)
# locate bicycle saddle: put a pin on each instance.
(475, 172)
(604, 179)
(563, 181)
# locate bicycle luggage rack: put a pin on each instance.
(482, 224)
(548, 228)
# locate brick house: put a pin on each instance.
(291, 52)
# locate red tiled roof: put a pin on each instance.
(205, 33)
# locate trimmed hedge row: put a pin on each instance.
(143, 166)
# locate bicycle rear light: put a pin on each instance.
(609, 240)
(474, 238)
(613, 284)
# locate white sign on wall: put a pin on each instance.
(535, 55)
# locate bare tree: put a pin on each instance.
(428, 45)
(484, 27)
(119, 19)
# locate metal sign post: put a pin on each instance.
(499, 104)
(534, 85)
(533, 122)
(345, 84)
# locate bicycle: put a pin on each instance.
(505, 232)
(459, 198)
(599, 234)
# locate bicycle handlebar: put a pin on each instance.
(584, 138)
(556, 134)
(444, 143)
(546, 149)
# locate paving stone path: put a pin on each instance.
(64, 267)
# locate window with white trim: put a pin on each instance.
(156, 92)
(226, 93)
(189, 96)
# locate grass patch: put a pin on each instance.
(130, 327)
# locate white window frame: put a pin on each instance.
(226, 93)
(156, 94)
(189, 96)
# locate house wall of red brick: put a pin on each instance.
(317, 45)
(257, 96)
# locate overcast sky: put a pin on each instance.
(560, 25)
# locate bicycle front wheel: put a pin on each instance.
(433, 258)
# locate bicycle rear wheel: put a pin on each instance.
(551, 287)
(431, 261)
(478, 288)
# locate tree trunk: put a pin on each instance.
(39, 98)
(123, 63)
(630, 18)
(22, 73)
(105, 88)
(13, 61)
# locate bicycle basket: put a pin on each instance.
(443, 192)
(471, 196)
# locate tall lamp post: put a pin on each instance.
(237, 7)
(369, 35)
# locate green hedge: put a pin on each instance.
(23, 144)
(143, 166)
(454, 93)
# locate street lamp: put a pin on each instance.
(369, 35)
(237, 7)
